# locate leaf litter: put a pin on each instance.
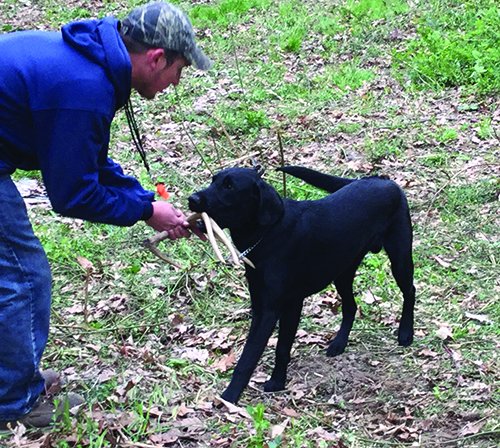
(439, 392)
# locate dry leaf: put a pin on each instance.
(428, 352)
(369, 298)
(170, 436)
(194, 354)
(176, 320)
(233, 409)
(472, 428)
(321, 434)
(105, 375)
(277, 430)
(183, 410)
(260, 378)
(290, 413)
(84, 263)
(225, 363)
(444, 333)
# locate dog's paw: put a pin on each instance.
(230, 396)
(335, 349)
(274, 386)
(405, 339)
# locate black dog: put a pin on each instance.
(299, 247)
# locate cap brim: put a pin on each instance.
(197, 58)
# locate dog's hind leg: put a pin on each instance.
(344, 288)
(262, 326)
(398, 245)
(289, 322)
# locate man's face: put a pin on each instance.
(154, 76)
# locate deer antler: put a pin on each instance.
(213, 232)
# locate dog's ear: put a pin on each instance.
(258, 167)
(271, 204)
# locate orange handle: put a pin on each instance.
(162, 191)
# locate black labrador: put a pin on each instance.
(300, 247)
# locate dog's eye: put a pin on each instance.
(227, 184)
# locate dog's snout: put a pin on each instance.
(194, 202)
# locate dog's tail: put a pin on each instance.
(323, 181)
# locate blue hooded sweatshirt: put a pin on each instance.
(58, 95)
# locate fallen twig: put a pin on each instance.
(236, 161)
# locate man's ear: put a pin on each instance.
(156, 59)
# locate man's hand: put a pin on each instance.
(167, 218)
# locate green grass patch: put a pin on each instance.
(225, 12)
(457, 44)
(462, 199)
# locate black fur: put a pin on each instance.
(303, 246)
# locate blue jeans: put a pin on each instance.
(25, 291)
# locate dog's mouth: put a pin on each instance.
(200, 225)
(198, 203)
(195, 204)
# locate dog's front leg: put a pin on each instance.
(289, 321)
(260, 330)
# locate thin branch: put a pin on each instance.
(236, 59)
(195, 147)
(240, 159)
(282, 161)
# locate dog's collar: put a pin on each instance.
(247, 251)
(243, 254)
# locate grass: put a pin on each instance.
(457, 45)
(355, 88)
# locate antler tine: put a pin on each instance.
(210, 233)
(225, 240)
(247, 261)
(193, 217)
(219, 234)
(152, 245)
(209, 224)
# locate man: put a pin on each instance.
(59, 92)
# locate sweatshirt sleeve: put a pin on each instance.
(80, 179)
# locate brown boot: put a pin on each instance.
(45, 412)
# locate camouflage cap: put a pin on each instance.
(162, 25)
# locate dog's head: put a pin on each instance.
(237, 198)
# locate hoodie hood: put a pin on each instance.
(100, 42)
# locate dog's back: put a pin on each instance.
(379, 190)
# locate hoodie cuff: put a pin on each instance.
(148, 211)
